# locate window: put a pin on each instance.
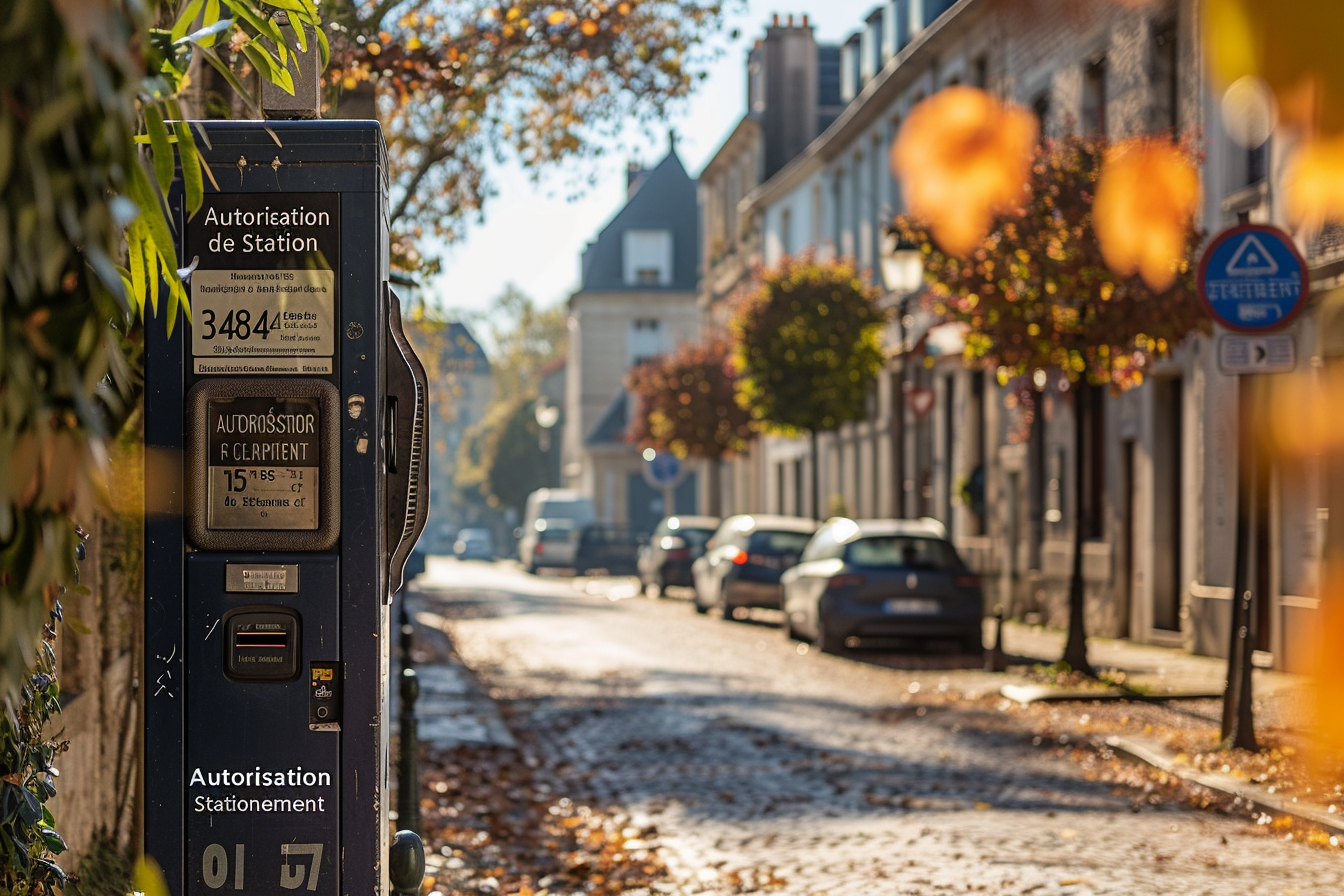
(980, 73)
(1164, 105)
(1094, 99)
(644, 342)
(647, 259)
(1040, 106)
(903, 552)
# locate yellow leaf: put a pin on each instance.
(1147, 195)
(589, 28)
(964, 157)
(555, 18)
(1314, 183)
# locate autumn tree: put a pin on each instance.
(687, 405)
(551, 80)
(807, 349)
(1061, 286)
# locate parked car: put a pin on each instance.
(553, 519)
(744, 559)
(882, 580)
(474, 544)
(610, 550)
(677, 542)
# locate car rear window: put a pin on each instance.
(696, 538)
(902, 552)
(778, 542)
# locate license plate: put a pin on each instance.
(911, 605)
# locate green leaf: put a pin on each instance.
(192, 185)
(184, 21)
(262, 24)
(151, 270)
(323, 47)
(136, 257)
(159, 147)
(269, 67)
(152, 213)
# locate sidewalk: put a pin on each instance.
(1147, 669)
(453, 708)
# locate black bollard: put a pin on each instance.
(406, 863)
(995, 661)
(408, 763)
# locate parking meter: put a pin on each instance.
(284, 488)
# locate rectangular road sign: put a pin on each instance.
(1271, 353)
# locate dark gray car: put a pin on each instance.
(882, 581)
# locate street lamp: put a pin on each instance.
(902, 267)
(547, 416)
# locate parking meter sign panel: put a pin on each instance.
(264, 291)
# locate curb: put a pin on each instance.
(1255, 795)
(1037, 693)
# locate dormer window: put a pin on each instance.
(647, 258)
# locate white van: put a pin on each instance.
(552, 521)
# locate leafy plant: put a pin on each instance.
(28, 837)
(687, 403)
(807, 348)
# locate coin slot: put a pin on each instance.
(262, 643)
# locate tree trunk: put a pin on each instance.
(1075, 648)
(714, 486)
(816, 477)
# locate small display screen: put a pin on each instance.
(263, 463)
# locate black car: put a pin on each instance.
(883, 580)
(744, 560)
(677, 542)
(606, 550)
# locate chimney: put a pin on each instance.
(790, 20)
(774, 20)
(804, 20)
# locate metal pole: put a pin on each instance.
(408, 764)
(1238, 725)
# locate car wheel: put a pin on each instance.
(973, 644)
(828, 640)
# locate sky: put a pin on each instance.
(552, 228)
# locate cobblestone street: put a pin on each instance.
(767, 767)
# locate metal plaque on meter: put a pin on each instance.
(263, 463)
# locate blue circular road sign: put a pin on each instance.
(1252, 279)
(663, 470)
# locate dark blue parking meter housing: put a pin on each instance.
(284, 431)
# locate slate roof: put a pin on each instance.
(611, 427)
(664, 199)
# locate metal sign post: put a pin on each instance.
(1252, 280)
(665, 471)
(285, 430)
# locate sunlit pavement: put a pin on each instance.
(749, 752)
